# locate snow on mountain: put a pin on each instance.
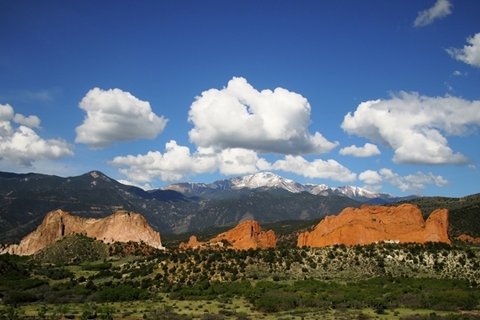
(267, 180)
(319, 189)
(356, 192)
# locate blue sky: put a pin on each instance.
(381, 94)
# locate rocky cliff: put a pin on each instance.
(246, 235)
(121, 226)
(371, 224)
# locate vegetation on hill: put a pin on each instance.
(464, 213)
(382, 278)
(78, 248)
(286, 231)
(73, 249)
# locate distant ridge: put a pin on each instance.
(271, 181)
(187, 207)
(26, 198)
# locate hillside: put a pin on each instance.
(26, 198)
(464, 213)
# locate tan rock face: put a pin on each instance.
(121, 226)
(192, 243)
(246, 235)
(371, 224)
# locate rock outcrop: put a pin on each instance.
(468, 238)
(192, 243)
(246, 235)
(121, 226)
(371, 224)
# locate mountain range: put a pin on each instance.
(271, 181)
(25, 199)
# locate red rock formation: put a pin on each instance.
(192, 243)
(371, 224)
(468, 238)
(121, 226)
(246, 235)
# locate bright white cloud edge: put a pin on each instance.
(409, 183)
(113, 116)
(177, 162)
(239, 116)
(415, 126)
(470, 53)
(368, 150)
(21, 145)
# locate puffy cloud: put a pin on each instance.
(21, 144)
(239, 116)
(370, 177)
(440, 9)
(30, 121)
(412, 183)
(415, 126)
(470, 53)
(6, 112)
(326, 169)
(115, 115)
(237, 161)
(175, 163)
(368, 150)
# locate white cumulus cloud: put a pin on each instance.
(175, 163)
(237, 161)
(440, 9)
(370, 177)
(21, 145)
(318, 168)
(239, 116)
(411, 183)
(30, 121)
(368, 150)
(114, 115)
(470, 53)
(178, 162)
(415, 126)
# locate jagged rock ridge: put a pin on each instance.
(371, 224)
(246, 235)
(121, 226)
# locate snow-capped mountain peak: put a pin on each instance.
(270, 180)
(356, 192)
(266, 180)
(319, 189)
